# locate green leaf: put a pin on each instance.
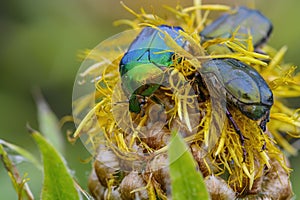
(58, 183)
(48, 122)
(186, 182)
(23, 152)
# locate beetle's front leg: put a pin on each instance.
(137, 103)
(264, 121)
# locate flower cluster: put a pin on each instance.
(130, 148)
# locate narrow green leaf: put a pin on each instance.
(186, 182)
(58, 183)
(23, 152)
(48, 122)
(19, 183)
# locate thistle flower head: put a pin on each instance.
(132, 142)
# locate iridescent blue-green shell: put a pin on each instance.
(245, 88)
(245, 20)
(143, 63)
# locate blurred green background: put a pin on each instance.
(39, 43)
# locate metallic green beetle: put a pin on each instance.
(245, 88)
(245, 21)
(142, 66)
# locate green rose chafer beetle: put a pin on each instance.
(142, 65)
(244, 22)
(245, 88)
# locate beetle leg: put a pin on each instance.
(263, 127)
(264, 121)
(142, 102)
(137, 103)
(238, 131)
(264, 147)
